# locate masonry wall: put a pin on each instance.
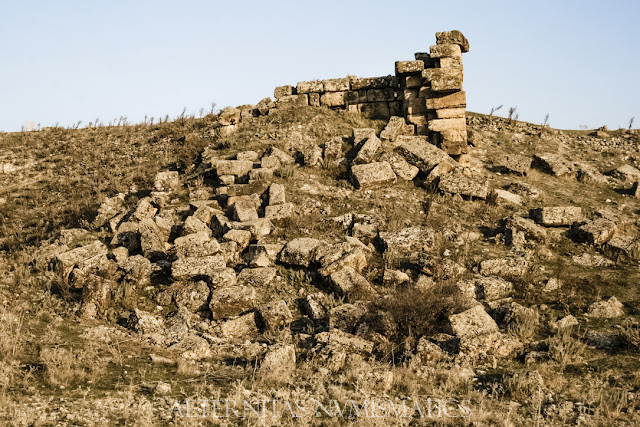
(426, 91)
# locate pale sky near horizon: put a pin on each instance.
(66, 61)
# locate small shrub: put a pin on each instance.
(564, 348)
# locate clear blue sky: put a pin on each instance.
(64, 61)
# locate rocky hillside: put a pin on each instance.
(298, 253)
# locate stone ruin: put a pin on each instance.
(426, 92)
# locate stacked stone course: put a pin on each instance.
(426, 92)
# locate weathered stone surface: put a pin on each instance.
(374, 82)
(282, 91)
(486, 288)
(458, 182)
(128, 236)
(333, 99)
(624, 247)
(346, 316)
(407, 240)
(472, 323)
(596, 232)
(284, 158)
(360, 135)
(453, 37)
(404, 67)
(261, 174)
(311, 155)
(400, 166)
(395, 128)
(194, 225)
(233, 167)
(422, 154)
(244, 210)
(112, 211)
(276, 194)
(333, 149)
(507, 267)
(371, 174)
(257, 277)
(166, 181)
(315, 86)
(144, 210)
(196, 245)
(339, 341)
(368, 150)
(299, 252)
(590, 174)
(348, 283)
(443, 79)
(524, 190)
(222, 278)
(557, 215)
(315, 305)
(531, 230)
(451, 113)
(380, 95)
(438, 101)
(79, 257)
(243, 327)
(279, 361)
(96, 292)
(270, 162)
(232, 301)
(258, 228)
(592, 260)
(515, 163)
(186, 268)
(394, 277)
(241, 237)
(275, 315)
(445, 51)
(441, 125)
(191, 295)
(262, 255)
(285, 210)
(229, 116)
(336, 85)
(626, 173)
(137, 270)
(606, 309)
(502, 197)
(553, 164)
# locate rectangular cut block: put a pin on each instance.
(417, 119)
(409, 94)
(336, 85)
(450, 63)
(445, 51)
(444, 124)
(395, 108)
(557, 215)
(376, 110)
(413, 81)
(443, 79)
(453, 100)
(302, 99)
(314, 99)
(233, 167)
(374, 82)
(333, 99)
(419, 152)
(308, 87)
(453, 37)
(405, 67)
(451, 141)
(381, 95)
(356, 96)
(457, 182)
(370, 174)
(450, 113)
(282, 91)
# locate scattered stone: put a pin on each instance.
(241, 237)
(299, 252)
(244, 210)
(472, 323)
(510, 267)
(198, 244)
(553, 164)
(422, 154)
(275, 315)
(258, 277)
(240, 328)
(192, 296)
(372, 174)
(368, 150)
(624, 247)
(279, 362)
(285, 210)
(394, 277)
(626, 173)
(232, 301)
(515, 163)
(502, 197)
(606, 309)
(596, 232)
(233, 167)
(282, 157)
(557, 215)
(190, 267)
(592, 260)
(348, 283)
(458, 182)
(400, 166)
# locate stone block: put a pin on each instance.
(336, 85)
(557, 215)
(309, 87)
(453, 37)
(374, 82)
(282, 91)
(381, 95)
(371, 174)
(233, 167)
(405, 67)
(450, 113)
(443, 79)
(368, 150)
(333, 99)
(437, 101)
(420, 153)
(459, 182)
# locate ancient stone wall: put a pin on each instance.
(426, 91)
